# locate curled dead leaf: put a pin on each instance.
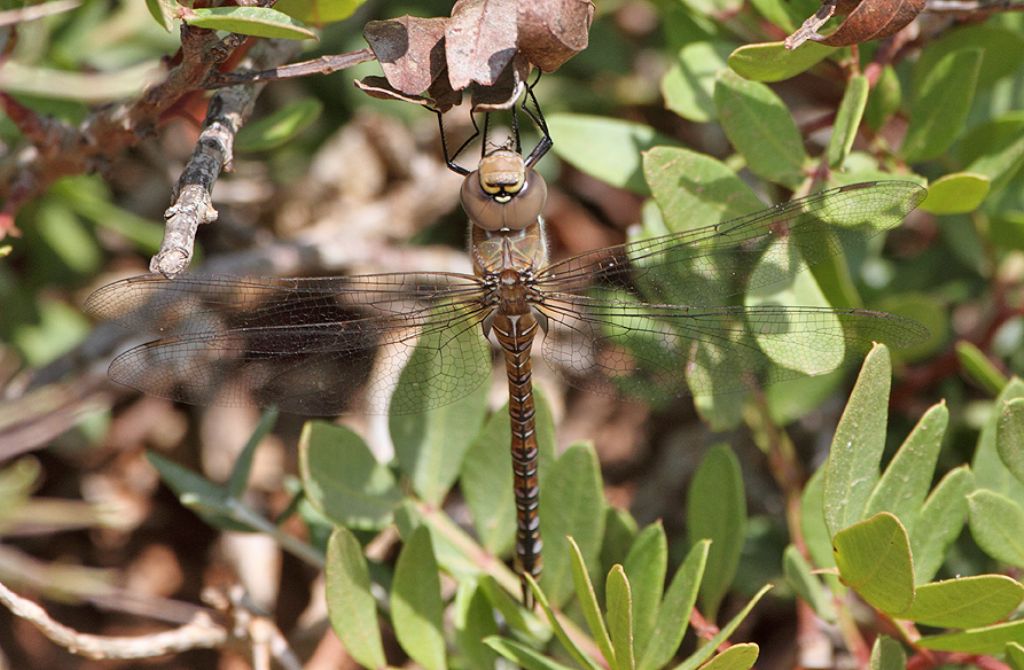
(865, 20)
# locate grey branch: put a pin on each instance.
(193, 198)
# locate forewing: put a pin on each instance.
(311, 346)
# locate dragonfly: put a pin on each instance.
(664, 315)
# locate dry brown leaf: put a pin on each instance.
(410, 50)
(553, 31)
(480, 41)
(865, 20)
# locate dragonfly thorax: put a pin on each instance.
(503, 194)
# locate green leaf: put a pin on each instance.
(243, 464)
(350, 605)
(1015, 655)
(979, 368)
(318, 12)
(694, 190)
(486, 479)
(760, 127)
(571, 503)
(988, 640)
(620, 531)
(280, 127)
(202, 496)
(887, 654)
(812, 523)
(997, 525)
(343, 480)
(851, 471)
(563, 636)
(588, 603)
(904, 485)
(67, 237)
(676, 606)
(873, 557)
(516, 618)
(416, 609)
(772, 61)
(940, 105)
(620, 617)
(737, 657)
(965, 602)
(884, 100)
(702, 654)
(474, 621)
(255, 21)
(690, 82)
(616, 158)
(646, 566)
(164, 12)
(989, 470)
(806, 584)
(851, 111)
(956, 193)
(716, 510)
(523, 656)
(1003, 51)
(1010, 437)
(995, 149)
(940, 522)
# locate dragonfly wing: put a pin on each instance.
(310, 346)
(621, 346)
(706, 266)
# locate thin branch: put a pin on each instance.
(32, 12)
(193, 201)
(201, 633)
(317, 66)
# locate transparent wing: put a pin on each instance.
(661, 351)
(311, 346)
(706, 266)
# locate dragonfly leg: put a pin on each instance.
(537, 117)
(449, 159)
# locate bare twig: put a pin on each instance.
(809, 29)
(193, 202)
(322, 65)
(33, 12)
(201, 633)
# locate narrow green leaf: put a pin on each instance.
(255, 21)
(940, 105)
(956, 193)
(812, 524)
(1015, 655)
(737, 657)
(988, 640)
(474, 621)
(903, 486)
(873, 557)
(887, 654)
(995, 149)
(851, 111)
(318, 12)
(243, 464)
(965, 602)
(674, 613)
(997, 525)
(588, 603)
(342, 479)
(772, 61)
(851, 471)
(164, 12)
(806, 584)
(702, 654)
(196, 492)
(620, 531)
(760, 127)
(280, 127)
(884, 100)
(693, 189)
(940, 522)
(646, 566)
(989, 470)
(512, 612)
(716, 509)
(350, 605)
(1003, 50)
(416, 609)
(577, 654)
(616, 158)
(486, 478)
(1010, 437)
(690, 82)
(620, 617)
(571, 503)
(523, 656)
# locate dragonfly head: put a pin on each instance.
(502, 193)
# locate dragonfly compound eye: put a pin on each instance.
(497, 212)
